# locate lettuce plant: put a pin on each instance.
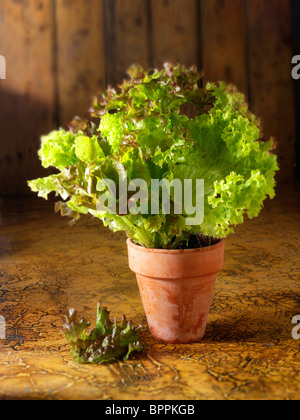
(164, 125)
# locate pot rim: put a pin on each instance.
(175, 251)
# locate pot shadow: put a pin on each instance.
(265, 317)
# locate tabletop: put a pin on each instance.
(250, 350)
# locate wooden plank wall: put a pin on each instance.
(27, 96)
(79, 46)
(270, 82)
(59, 53)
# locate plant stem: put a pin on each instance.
(139, 234)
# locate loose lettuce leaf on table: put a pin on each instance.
(108, 342)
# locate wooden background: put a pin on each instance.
(60, 52)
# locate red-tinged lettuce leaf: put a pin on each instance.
(108, 342)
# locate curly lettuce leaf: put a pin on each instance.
(58, 149)
(45, 186)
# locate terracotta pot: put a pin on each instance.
(176, 288)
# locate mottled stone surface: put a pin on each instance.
(248, 352)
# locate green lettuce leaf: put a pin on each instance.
(58, 149)
(88, 149)
(45, 186)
